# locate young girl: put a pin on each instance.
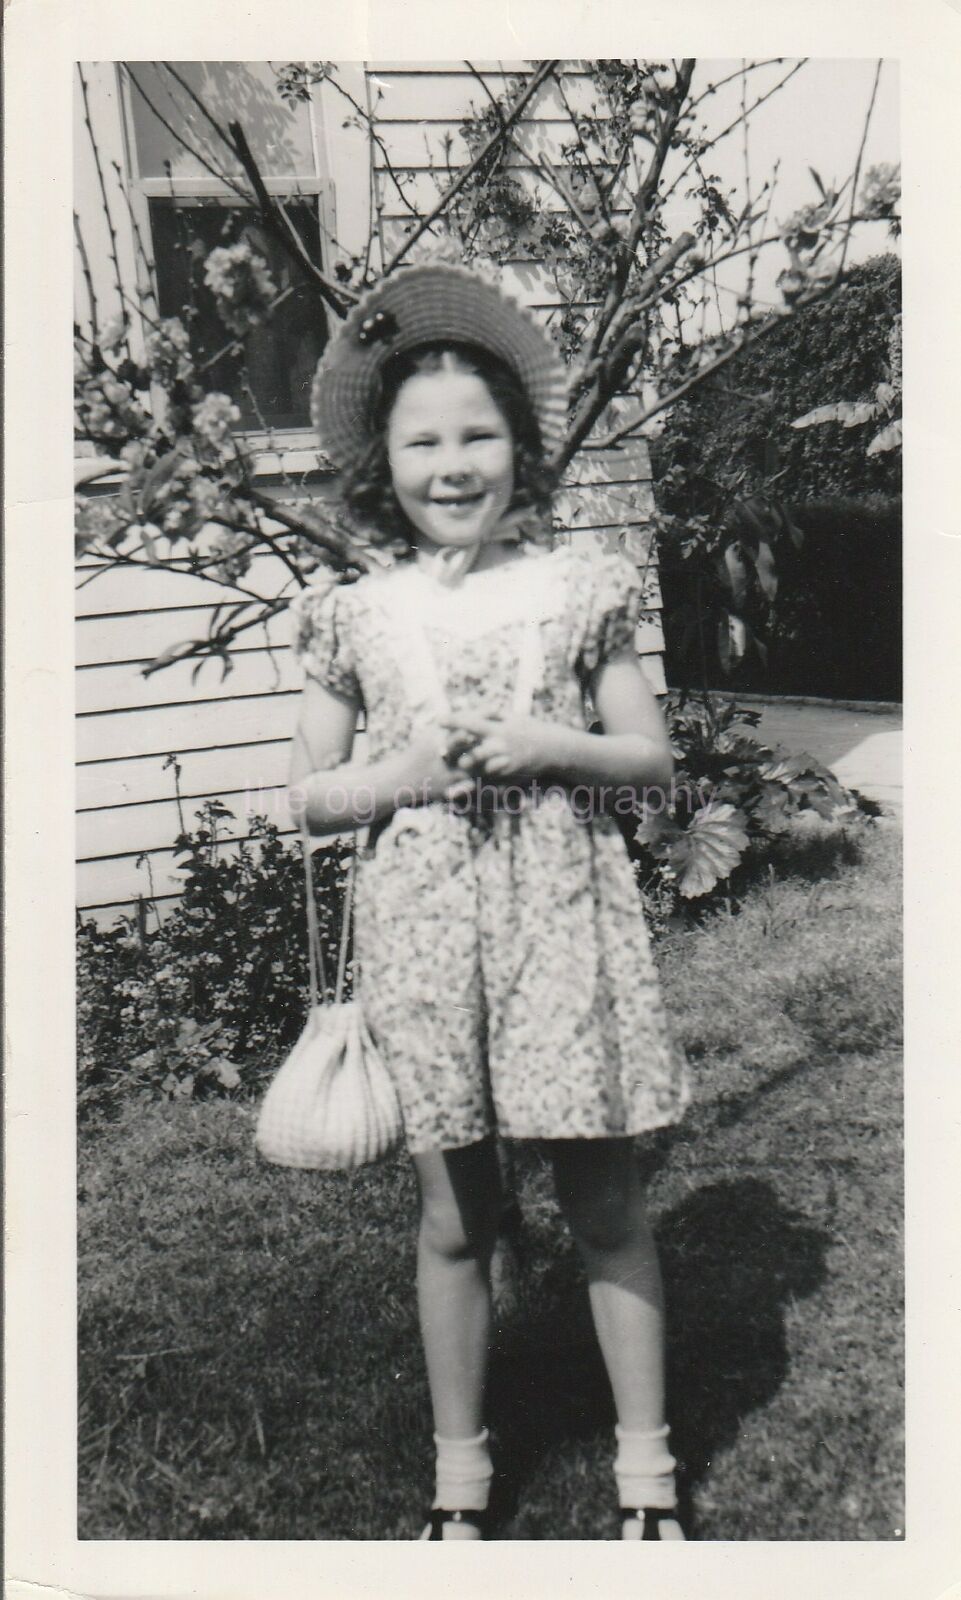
(504, 965)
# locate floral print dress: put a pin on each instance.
(504, 963)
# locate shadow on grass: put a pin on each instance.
(733, 1257)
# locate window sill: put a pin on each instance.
(285, 455)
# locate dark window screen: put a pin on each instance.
(269, 380)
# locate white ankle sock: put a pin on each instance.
(464, 1473)
(644, 1469)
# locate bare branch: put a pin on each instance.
(610, 365)
(642, 205)
(495, 103)
(149, 266)
(857, 166)
(216, 644)
(746, 153)
(277, 549)
(369, 121)
(345, 550)
(119, 558)
(742, 341)
(752, 66)
(221, 177)
(269, 433)
(204, 111)
(587, 159)
(85, 264)
(545, 168)
(757, 246)
(278, 223)
(114, 255)
(537, 78)
(736, 123)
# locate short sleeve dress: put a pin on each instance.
(504, 962)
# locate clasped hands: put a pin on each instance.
(499, 749)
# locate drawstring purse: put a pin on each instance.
(332, 1105)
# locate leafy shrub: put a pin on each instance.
(198, 1005)
(731, 795)
(733, 436)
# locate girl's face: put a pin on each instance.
(451, 456)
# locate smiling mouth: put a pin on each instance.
(453, 502)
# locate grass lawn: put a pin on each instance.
(249, 1358)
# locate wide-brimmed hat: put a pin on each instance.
(428, 304)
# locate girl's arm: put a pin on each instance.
(633, 750)
(333, 793)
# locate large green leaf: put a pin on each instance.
(701, 854)
(888, 439)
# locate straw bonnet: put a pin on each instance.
(430, 304)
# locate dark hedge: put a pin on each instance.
(732, 437)
(837, 620)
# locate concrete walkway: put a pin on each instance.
(863, 748)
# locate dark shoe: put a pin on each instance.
(438, 1516)
(650, 1519)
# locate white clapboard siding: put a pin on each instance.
(157, 879)
(128, 830)
(141, 635)
(433, 96)
(520, 265)
(253, 770)
(190, 725)
(231, 736)
(489, 69)
(139, 780)
(438, 146)
(105, 591)
(98, 883)
(254, 671)
(422, 190)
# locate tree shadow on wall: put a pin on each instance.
(733, 1256)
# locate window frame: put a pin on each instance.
(317, 186)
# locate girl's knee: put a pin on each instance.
(446, 1231)
(602, 1200)
(605, 1224)
(460, 1201)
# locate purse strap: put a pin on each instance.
(316, 971)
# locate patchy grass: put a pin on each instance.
(249, 1357)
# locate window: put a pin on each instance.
(182, 175)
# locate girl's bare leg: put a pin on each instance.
(460, 1207)
(600, 1191)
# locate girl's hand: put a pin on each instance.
(428, 769)
(501, 748)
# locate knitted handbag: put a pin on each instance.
(332, 1104)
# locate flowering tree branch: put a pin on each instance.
(625, 285)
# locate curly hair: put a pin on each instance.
(366, 489)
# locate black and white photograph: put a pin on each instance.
(485, 708)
